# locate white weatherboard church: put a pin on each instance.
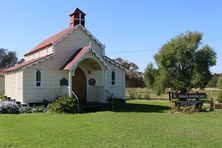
(71, 62)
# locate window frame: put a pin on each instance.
(113, 77)
(36, 82)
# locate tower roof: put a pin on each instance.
(77, 11)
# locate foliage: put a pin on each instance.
(63, 105)
(150, 76)
(2, 97)
(219, 97)
(9, 107)
(25, 109)
(21, 61)
(32, 109)
(39, 109)
(219, 82)
(115, 103)
(183, 64)
(134, 78)
(213, 81)
(7, 58)
(135, 94)
(185, 109)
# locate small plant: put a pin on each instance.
(39, 109)
(219, 97)
(25, 109)
(9, 107)
(2, 96)
(63, 105)
(115, 103)
(138, 95)
(205, 108)
(147, 96)
(132, 93)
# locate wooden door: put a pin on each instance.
(79, 85)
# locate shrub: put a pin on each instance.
(132, 94)
(8, 107)
(219, 97)
(63, 105)
(2, 96)
(115, 103)
(25, 109)
(39, 109)
(147, 96)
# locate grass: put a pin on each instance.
(141, 124)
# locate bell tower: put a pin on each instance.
(77, 17)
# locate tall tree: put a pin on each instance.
(134, 78)
(183, 63)
(150, 76)
(7, 58)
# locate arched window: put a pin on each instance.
(38, 78)
(113, 77)
(64, 82)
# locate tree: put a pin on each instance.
(184, 64)
(219, 82)
(21, 61)
(134, 78)
(213, 81)
(150, 76)
(7, 58)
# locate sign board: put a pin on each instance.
(189, 103)
(188, 99)
(187, 96)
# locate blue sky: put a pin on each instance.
(131, 29)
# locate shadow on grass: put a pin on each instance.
(146, 108)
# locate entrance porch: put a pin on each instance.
(87, 77)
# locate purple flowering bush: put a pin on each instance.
(9, 107)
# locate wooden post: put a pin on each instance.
(70, 83)
(212, 108)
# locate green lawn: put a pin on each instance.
(142, 124)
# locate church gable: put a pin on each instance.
(64, 44)
(79, 37)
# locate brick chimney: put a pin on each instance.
(77, 17)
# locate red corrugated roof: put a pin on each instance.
(49, 41)
(75, 58)
(25, 63)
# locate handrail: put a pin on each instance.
(77, 101)
(109, 93)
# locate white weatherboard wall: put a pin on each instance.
(119, 88)
(14, 85)
(50, 83)
(45, 51)
(2, 82)
(70, 44)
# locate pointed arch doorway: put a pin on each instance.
(79, 85)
